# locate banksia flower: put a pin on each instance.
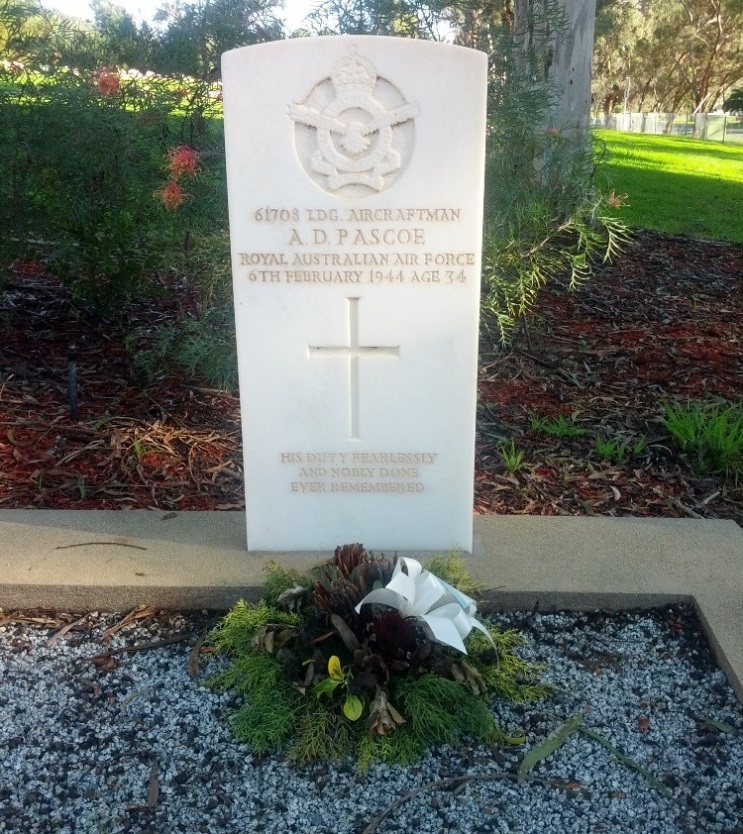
(338, 597)
(348, 557)
(344, 583)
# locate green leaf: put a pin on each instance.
(327, 687)
(353, 708)
(554, 740)
(722, 726)
(625, 760)
(334, 668)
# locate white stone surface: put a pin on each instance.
(355, 176)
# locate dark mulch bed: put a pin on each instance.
(663, 323)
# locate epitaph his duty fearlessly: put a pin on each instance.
(355, 171)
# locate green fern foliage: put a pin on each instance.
(444, 710)
(506, 674)
(321, 734)
(250, 672)
(280, 579)
(266, 720)
(234, 636)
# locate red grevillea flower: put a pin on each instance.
(171, 195)
(183, 160)
(108, 83)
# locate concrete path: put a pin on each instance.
(112, 560)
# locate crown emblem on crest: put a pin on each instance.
(353, 72)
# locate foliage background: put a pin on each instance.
(84, 179)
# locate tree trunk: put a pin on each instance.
(567, 50)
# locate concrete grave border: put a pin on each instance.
(115, 560)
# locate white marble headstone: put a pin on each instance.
(355, 177)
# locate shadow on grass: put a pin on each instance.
(633, 144)
(703, 203)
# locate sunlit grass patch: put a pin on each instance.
(673, 184)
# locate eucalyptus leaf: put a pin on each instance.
(553, 741)
(625, 760)
(349, 638)
(516, 741)
(722, 726)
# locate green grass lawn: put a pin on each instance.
(676, 185)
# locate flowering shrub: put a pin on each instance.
(329, 669)
(84, 157)
(615, 200)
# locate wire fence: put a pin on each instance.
(716, 127)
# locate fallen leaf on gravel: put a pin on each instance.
(141, 612)
(104, 662)
(153, 789)
(554, 740)
(62, 631)
(194, 668)
(722, 726)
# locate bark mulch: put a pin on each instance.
(662, 324)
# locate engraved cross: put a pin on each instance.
(354, 351)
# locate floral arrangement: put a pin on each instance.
(370, 656)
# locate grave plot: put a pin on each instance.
(625, 354)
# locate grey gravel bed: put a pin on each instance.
(145, 748)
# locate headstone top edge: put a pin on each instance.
(305, 43)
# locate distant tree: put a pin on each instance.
(120, 38)
(197, 33)
(669, 54)
(402, 18)
(734, 102)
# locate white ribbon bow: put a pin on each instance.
(446, 614)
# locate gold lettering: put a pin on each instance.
(403, 215)
(390, 237)
(449, 259)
